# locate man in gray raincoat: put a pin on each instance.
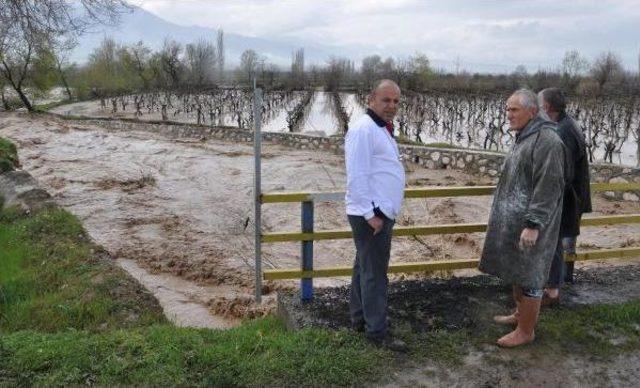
(525, 216)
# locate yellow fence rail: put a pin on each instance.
(431, 229)
(308, 236)
(431, 266)
(432, 192)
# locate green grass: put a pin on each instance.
(442, 145)
(54, 104)
(445, 346)
(261, 352)
(69, 317)
(601, 330)
(51, 279)
(8, 156)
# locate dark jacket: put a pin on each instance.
(529, 194)
(577, 192)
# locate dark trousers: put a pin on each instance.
(368, 302)
(562, 272)
(556, 273)
(569, 246)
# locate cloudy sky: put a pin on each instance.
(498, 34)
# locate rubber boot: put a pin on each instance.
(527, 319)
(513, 318)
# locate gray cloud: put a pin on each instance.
(497, 34)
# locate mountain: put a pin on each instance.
(140, 25)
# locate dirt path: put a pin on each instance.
(183, 208)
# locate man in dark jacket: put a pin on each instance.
(577, 194)
(524, 224)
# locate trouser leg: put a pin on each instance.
(556, 273)
(370, 281)
(569, 247)
(355, 301)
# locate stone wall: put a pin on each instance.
(476, 162)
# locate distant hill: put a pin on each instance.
(152, 30)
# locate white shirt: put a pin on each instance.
(375, 175)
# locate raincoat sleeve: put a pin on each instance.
(547, 180)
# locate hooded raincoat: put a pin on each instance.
(529, 194)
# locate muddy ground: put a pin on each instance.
(457, 302)
(418, 308)
(182, 209)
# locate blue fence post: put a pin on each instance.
(306, 284)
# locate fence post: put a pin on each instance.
(257, 190)
(306, 284)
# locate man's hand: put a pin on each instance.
(376, 223)
(528, 238)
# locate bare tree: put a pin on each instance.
(200, 61)
(519, 77)
(370, 70)
(338, 71)
(270, 75)
(170, 60)
(573, 65)
(3, 98)
(140, 56)
(31, 26)
(16, 61)
(61, 56)
(607, 71)
(420, 72)
(401, 73)
(248, 65)
(387, 68)
(297, 69)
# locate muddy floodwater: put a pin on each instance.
(177, 214)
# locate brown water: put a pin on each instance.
(183, 302)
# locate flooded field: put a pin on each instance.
(476, 123)
(182, 209)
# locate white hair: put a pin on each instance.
(528, 99)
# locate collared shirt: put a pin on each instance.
(381, 123)
(375, 175)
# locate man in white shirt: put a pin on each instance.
(375, 190)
